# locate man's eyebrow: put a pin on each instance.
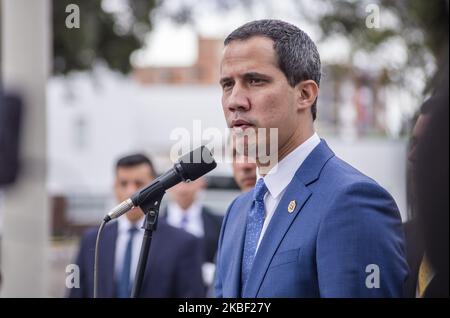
(224, 79)
(248, 75)
(255, 74)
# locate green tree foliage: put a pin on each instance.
(113, 36)
(423, 26)
(103, 35)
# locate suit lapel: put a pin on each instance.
(282, 219)
(278, 226)
(108, 252)
(236, 257)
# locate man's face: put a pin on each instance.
(255, 92)
(129, 180)
(184, 194)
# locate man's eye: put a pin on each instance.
(255, 81)
(227, 85)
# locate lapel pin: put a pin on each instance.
(291, 206)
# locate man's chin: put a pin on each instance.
(135, 214)
(248, 183)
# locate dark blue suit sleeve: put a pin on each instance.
(189, 281)
(360, 245)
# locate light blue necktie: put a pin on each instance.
(255, 221)
(124, 286)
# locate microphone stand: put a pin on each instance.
(151, 210)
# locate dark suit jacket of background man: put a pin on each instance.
(173, 266)
(211, 226)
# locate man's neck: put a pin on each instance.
(135, 222)
(296, 140)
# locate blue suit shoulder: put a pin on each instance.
(346, 174)
(347, 229)
(360, 220)
(338, 179)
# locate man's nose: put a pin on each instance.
(248, 167)
(131, 189)
(238, 99)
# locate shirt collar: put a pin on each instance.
(124, 224)
(176, 213)
(281, 174)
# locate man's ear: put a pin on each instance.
(307, 92)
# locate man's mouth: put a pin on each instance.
(240, 124)
(249, 180)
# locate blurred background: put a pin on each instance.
(97, 79)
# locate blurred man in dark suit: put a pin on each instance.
(186, 211)
(174, 264)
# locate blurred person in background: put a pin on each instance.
(431, 186)
(244, 169)
(426, 231)
(174, 263)
(418, 264)
(186, 211)
(11, 109)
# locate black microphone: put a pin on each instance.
(188, 168)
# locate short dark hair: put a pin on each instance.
(135, 160)
(297, 54)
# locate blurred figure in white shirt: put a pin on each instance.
(187, 211)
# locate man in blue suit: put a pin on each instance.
(313, 226)
(175, 256)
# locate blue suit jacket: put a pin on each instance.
(342, 223)
(173, 266)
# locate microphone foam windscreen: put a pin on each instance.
(197, 163)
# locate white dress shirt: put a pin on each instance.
(194, 224)
(281, 175)
(121, 245)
